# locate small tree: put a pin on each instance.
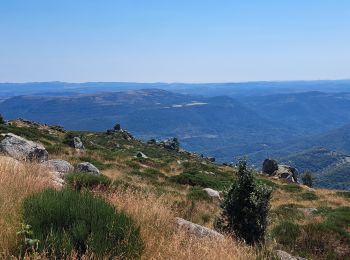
(308, 178)
(245, 207)
(2, 121)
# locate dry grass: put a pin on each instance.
(162, 238)
(17, 181)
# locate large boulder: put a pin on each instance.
(22, 149)
(197, 230)
(60, 166)
(281, 171)
(171, 144)
(87, 168)
(269, 166)
(286, 172)
(212, 193)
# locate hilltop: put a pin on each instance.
(155, 182)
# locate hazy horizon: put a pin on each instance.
(174, 41)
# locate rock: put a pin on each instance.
(213, 193)
(141, 155)
(88, 168)
(23, 149)
(287, 172)
(211, 159)
(269, 166)
(281, 171)
(78, 144)
(171, 144)
(60, 166)
(198, 230)
(282, 255)
(308, 210)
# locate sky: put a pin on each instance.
(174, 40)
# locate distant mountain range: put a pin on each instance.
(304, 123)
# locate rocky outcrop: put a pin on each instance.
(282, 255)
(171, 144)
(60, 166)
(22, 149)
(197, 230)
(87, 168)
(117, 129)
(78, 144)
(141, 155)
(286, 172)
(269, 166)
(212, 193)
(281, 171)
(211, 159)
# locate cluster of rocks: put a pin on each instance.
(117, 129)
(22, 149)
(171, 144)
(281, 171)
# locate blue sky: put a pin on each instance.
(174, 40)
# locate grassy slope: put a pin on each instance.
(155, 190)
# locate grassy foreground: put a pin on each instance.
(168, 184)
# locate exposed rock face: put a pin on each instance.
(171, 144)
(285, 256)
(23, 149)
(87, 168)
(141, 155)
(281, 171)
(78, 144)
(211, 159)
(213, 193)
(287, 172)
(269, 166)
(60, 166)
(198, 230)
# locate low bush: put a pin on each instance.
(286, 233)
(287, 212)
(292, 188)
(67, 221)
(309, 196)
(198, 194)
(97, 163)
(202, 180)
(85, 180)
(345, 194)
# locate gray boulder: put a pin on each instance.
(197, 230)
(212, 193)
(171, 144)
(269, 166)
(287, 172)
(87, 168)
(60, 166)
(78, 144)
(141, 155)
(282, 255)
(22, 149)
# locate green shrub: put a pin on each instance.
(153, 173)
(308, 179)
(65, 221)
(286, 233)
(292, 188)
(133, 165)
(98, 164)
(309, 196)
(85, 180)
(287, 212)
(2, 121)
(55, 148)
(246, 207)
(269, 183)
(345, 194)
(195, 178)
